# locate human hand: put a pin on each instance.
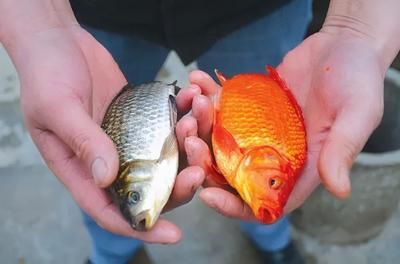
(338, 82)
(67, 81)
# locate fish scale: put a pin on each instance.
(132, 110)
(258, 120)
(258, 140)
(141, 122)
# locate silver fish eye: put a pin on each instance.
(133, 197)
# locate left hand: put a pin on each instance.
(338, 81)
(67, 81)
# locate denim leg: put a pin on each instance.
(249, 49)
(109, 248)
(263, 42)
(139, 61)
(268, 237)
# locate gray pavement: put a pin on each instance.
(40, 223)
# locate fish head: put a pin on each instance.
(138, 200)
(267, 180)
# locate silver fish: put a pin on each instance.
(141, 122)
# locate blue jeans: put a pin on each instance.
(248, 49)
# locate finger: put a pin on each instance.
(185, 127)
(203, 112)
(349, 133)
(198, 154)
(207, 84)
(226, 203)
(91, 198)
(72, 124)
(107, 215)
(186, 185)
(185, 97)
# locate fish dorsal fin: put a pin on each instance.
(169, 148)
(221, 77)
(277, 78)
(216, 103)
(176, 87)
(217, 97)
(172, 110)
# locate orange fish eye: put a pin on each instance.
(275, 183)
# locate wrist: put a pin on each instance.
(373, 22)
(19, 20)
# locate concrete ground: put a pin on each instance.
(40, 223)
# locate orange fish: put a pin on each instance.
(259, 140)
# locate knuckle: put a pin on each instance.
(350, 150)
(80, 143)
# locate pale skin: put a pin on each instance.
(68, 79)
(337, 77)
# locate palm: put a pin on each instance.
(67, 84)
(78, 80)
(337, 81)
(331, 78)
(106, 77)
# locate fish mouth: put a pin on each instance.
(142, 221)
(269, 215)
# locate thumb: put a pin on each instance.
(349, 133)
(73, 125)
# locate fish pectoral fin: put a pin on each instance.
(217, 175)
(169, 148)
(225, 140)
(226, 150)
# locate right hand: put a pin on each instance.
(67, 81)
(341, 108)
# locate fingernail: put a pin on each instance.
(99, 170)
